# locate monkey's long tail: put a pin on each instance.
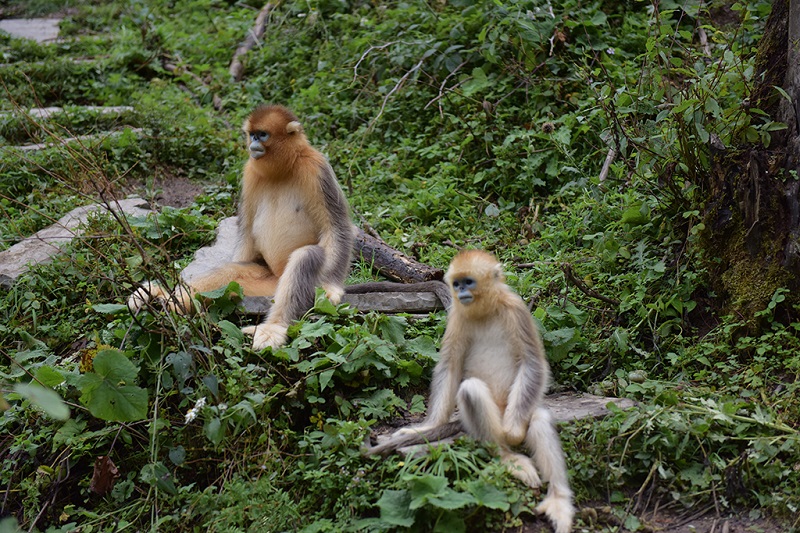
(395, 442)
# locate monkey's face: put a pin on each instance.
(258, 141)
(270, 127)
(474, 278)
(464, 289)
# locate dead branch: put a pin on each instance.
(579, 283)
(236, 68)
(392, 263)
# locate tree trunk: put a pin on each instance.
(753, 214)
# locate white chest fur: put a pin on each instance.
(498, 369)
(282, 223)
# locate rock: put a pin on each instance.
(43, 245)
(38, 29)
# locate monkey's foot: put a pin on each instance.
(521, 467)
(334, 293)
(179, 301)
(145, 294)
(267, 336)
(559, 510)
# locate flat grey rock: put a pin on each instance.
(47, 112)
(43, 245)
(38, 29)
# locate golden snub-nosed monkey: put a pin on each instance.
(294, 234)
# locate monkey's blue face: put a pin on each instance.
(463, 288)
(257, 140)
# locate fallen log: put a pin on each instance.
(392, 263)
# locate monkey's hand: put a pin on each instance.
(334, 293)
(267, 336)
(514, 431)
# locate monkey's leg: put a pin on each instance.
(543, 442)
(482, 419)
(254, 278)
(294, 296)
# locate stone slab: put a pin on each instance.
(43, 245)
(38, 29)
(47, 112)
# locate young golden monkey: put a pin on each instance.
(295, 231)
(492, 366)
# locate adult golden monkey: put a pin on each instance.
(294, 234)
(492, 366)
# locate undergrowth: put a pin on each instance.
(571, 140)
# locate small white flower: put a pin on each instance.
(192, 414)
(610, 51)
(222, 407)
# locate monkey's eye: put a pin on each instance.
(464, 283)
(259, 136)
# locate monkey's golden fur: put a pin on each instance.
(295, 231)
(492, 366)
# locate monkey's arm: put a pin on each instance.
(447, 376)
(531, 380)
(337, 234)
(245, 249)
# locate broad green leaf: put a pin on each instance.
(451, 499)
(45, 399)
(393, 329)
(159, 476)
(106, 391)
(395, 510)
(325, 378)
(425, 487)
(109, 309)
(177, 455)
(48, 376)
(488, 495)
(214, 431)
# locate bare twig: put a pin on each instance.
(396, 88)
(366, 53)
(579, 283)
(441, 88)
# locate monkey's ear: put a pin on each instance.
(497, 271)
(294, 127)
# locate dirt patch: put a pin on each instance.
(172, 191)
(672, 520)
